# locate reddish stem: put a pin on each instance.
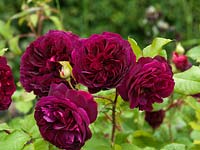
(114, 119)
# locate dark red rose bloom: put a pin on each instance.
(181, 61)
(155, 118)
(40, 62)
(148, 81)
(103, 61)
(63, 117)
(7, 85)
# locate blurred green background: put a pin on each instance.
(140, 19)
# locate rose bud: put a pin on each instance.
(181, 61)
(7, 85)
(155, 118)
(63, 117)
(42, 61)
(148, 81)
(103, 61)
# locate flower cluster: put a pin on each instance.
(7, 85)
(100, 62)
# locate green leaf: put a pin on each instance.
(41, 144)
(194, 53)
(97, 143)
(14, 141)
(163, 53)
(156, 47)
(121, 138)
(14, 123)
(3, 135)
(5, 30)
(143, 139)
(38, 144)
(56, 22)
(22, 95)
(117, 147)
(158, 106)
(28, 124)
(25, 12)
(4, 126)
(136, 49)
(188, 82)
(127, 146)
(195, 135)
(24, 106)
(14, 45)
(193, 103)
(194, 147)
(174, 146)
(34, 19)
(2, 51)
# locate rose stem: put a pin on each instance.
(102, 97)
(114, 119)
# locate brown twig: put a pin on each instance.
(175, 104)
(40, 23)
(110, 119)
(102, 97)
(27, 35)
(7, 131)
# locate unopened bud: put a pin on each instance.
(66, 70)
(180, 49)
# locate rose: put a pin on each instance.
(181, 61)
(155, 118)
(41, 62)
(64, 115)
(7, 85)
(148, 81)
(103, 61)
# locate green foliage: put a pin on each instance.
(2, 51)
(14, 47)
(194, 53)
(174, 146)
(188, 82)
(156, 48)
(14, 141)
(136, 49)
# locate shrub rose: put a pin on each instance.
(155, 118)
(103, 61)
(148, 81)
(40, 62)
(181, 61)
(63, 117)
(7, 85)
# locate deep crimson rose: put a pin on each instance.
(40, 62)
(63, 117)
(148, 81)
(103, 61)
(181, 61)
(7, 85)
(155, 118)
